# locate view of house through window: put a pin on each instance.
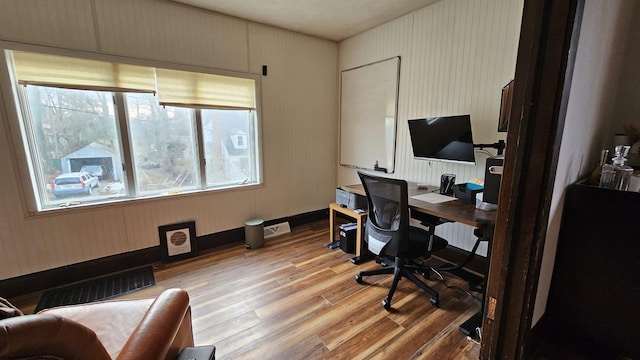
(227, 137)
(74, 131)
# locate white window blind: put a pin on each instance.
(174, 87)
(82, 74)
(189, 89)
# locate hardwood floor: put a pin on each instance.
(296, 299)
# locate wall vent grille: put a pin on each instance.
(276, 229)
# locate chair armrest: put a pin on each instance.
(44, 336)
(153, 337)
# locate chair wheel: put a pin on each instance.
(435, 301)
(359, 279)
(386, 304)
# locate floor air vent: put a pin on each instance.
(276, 229)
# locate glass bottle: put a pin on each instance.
(617, 174)
(597, 172)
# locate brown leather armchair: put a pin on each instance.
(144, 329)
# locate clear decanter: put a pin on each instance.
(617, 174)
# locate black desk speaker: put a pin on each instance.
(492, 181)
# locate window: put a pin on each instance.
(229, 159)
(163, 146)
(70, 131)
(97, 132)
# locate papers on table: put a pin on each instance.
(433, 198)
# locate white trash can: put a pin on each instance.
(254, 233)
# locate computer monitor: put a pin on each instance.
(444, 138)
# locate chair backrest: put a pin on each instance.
(46, 336)
(387, 227)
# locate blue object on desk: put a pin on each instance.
(475, 184)
(472, 186)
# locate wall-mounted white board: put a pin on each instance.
(368, 115)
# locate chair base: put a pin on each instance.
(400, 269)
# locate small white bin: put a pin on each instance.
(254, 233)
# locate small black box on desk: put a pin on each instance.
(462, 192)
(348, 237)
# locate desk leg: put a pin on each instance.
(469, 327)
(333, 243)
(332, 219)
(358, 236)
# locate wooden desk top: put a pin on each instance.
(455, 210)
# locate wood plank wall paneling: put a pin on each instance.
(298, 124)
(626, 108)
(65, 23)
(456, 57)
(295, 130)
(12, 205)
(165, 31)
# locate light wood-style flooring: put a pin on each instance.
(296, 299)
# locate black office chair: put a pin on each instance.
(389, 235)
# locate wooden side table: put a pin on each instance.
(359, 217)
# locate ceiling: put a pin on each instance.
(328, 19)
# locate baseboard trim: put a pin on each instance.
(69, 274)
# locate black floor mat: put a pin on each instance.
(98, 289)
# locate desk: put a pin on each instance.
(450, 211)
(455, 210)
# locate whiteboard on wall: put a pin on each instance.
(368, 115)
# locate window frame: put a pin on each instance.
(15, 106)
